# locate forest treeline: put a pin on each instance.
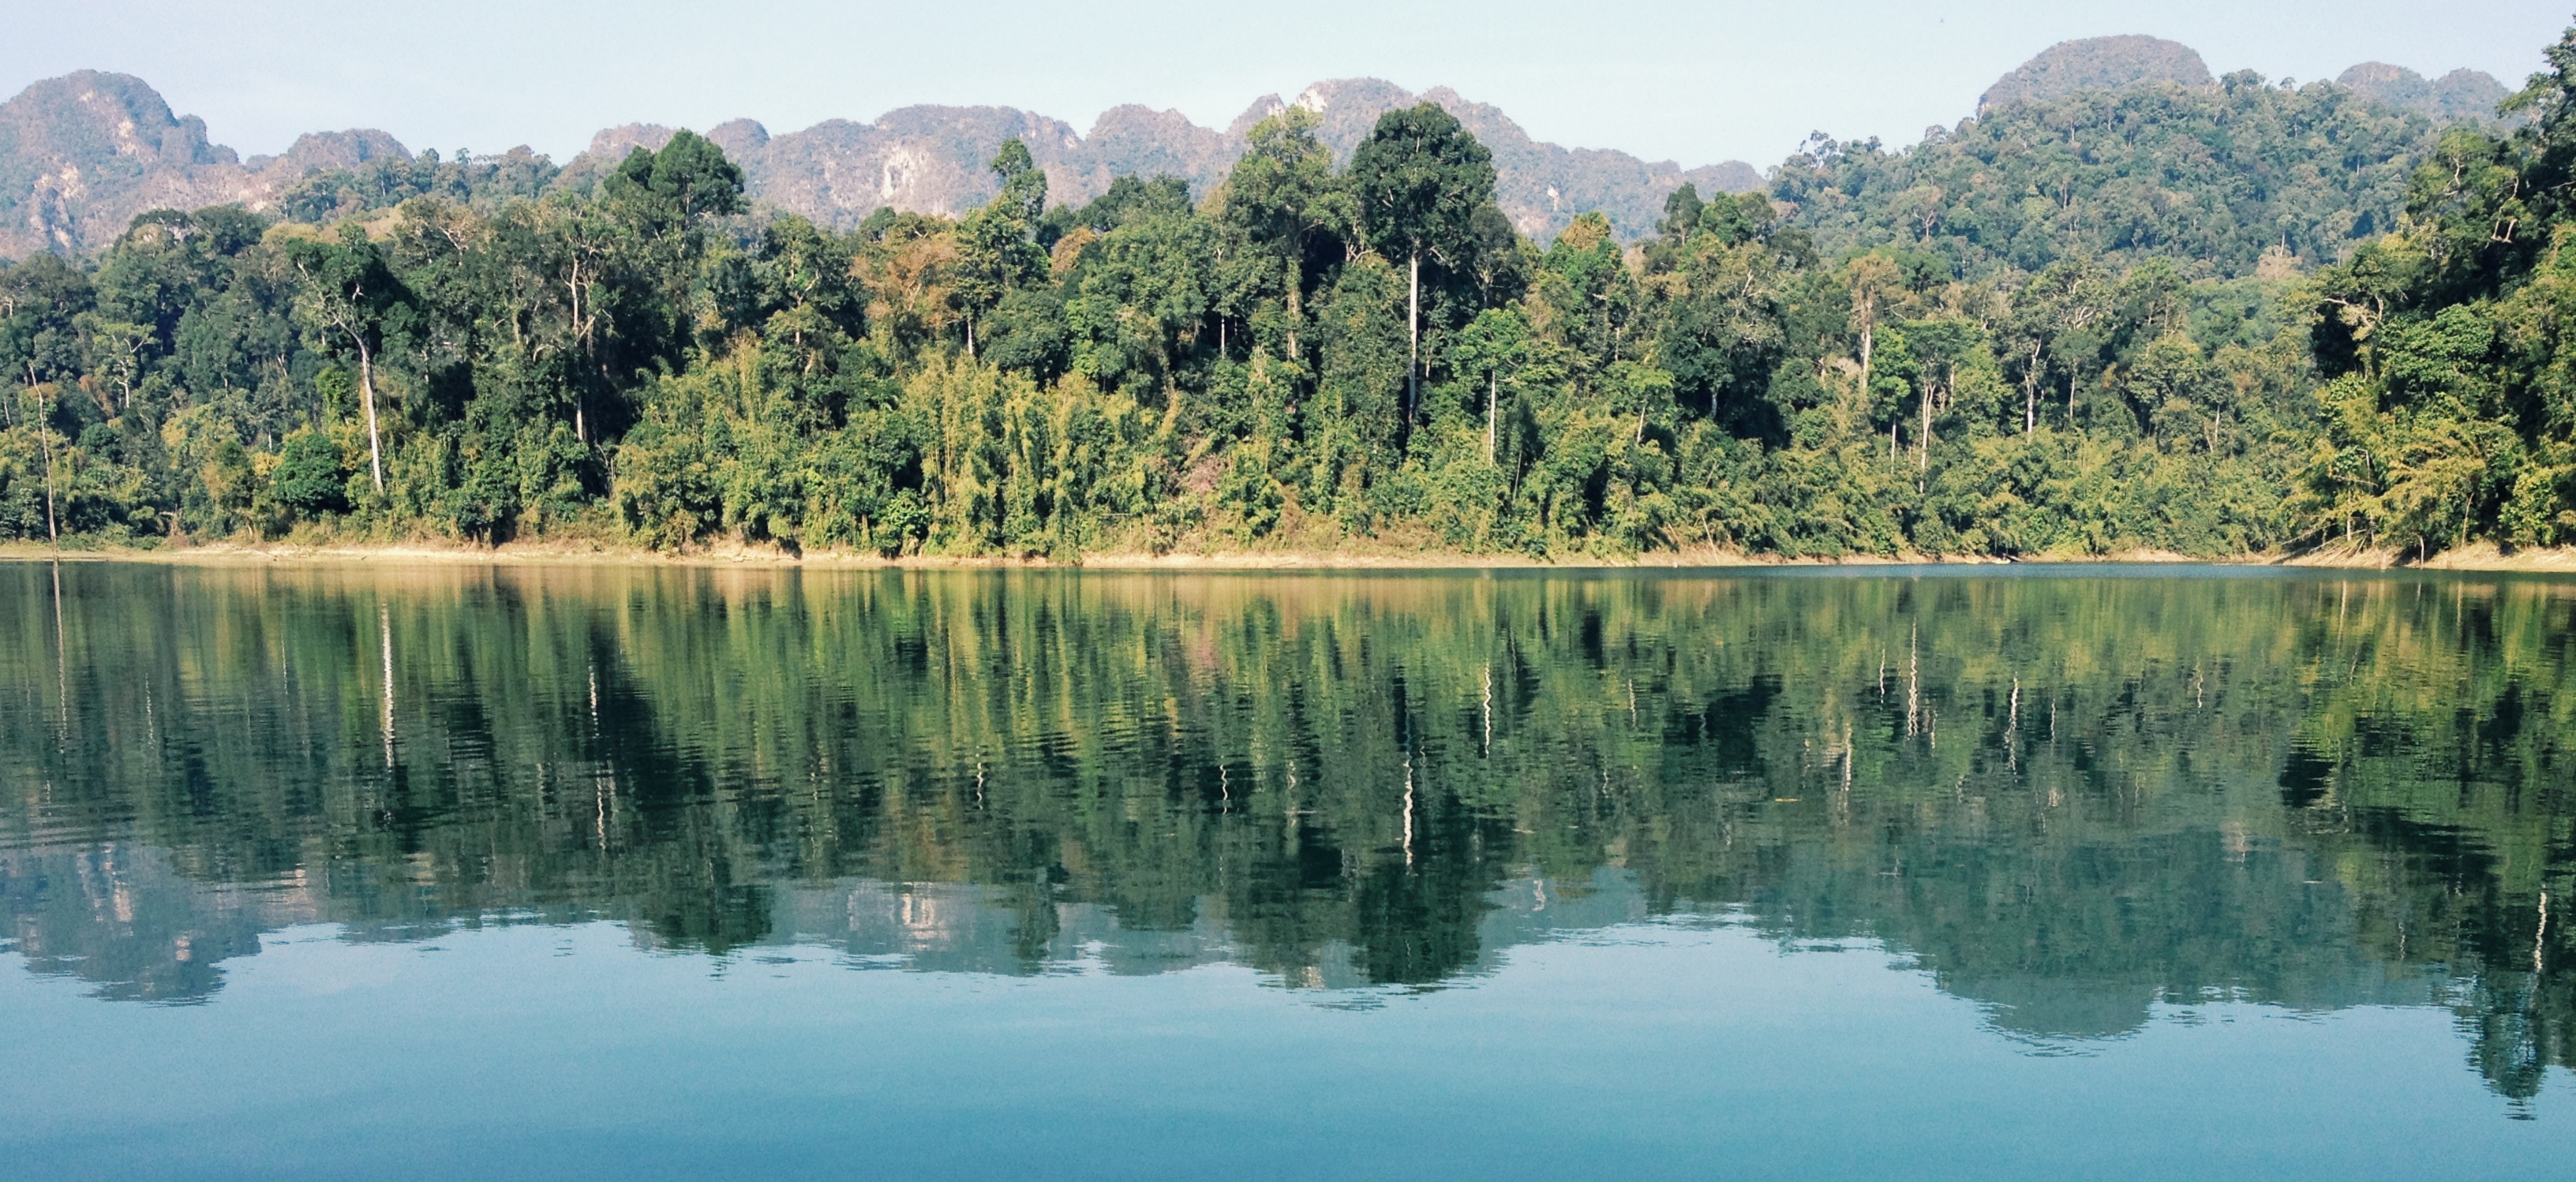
(2210, 320)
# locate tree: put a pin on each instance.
(669, 194)
(1682, 209)
(1280, 197)
(116, 351)
(308, 477)
(1418, 181)
(581, 250)
(997, 250)
(662, 200)
(1940, 348)
(1720, 309)
(1138, 298)
(1494, 341)
(1872, 280)
(43, 303)
(348, 295)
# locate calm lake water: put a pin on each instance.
(640, 873)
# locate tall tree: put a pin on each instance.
(671, 192)
(1280, 197)
(42, 303)
(996, 245)
(1419, 179)
(664, 201)
(1496, 340)
(348, 295)
(1872, 281)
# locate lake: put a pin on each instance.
(345, 872)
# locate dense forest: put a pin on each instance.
(2212, 319)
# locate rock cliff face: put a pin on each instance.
(2098, 63)
(931, 159)
(80, 155)
(1542, 186)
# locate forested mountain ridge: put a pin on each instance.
(2118, 63)
(2079, 324)
(2461, 96)
(2209, 178)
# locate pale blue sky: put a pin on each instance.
(1697, 83)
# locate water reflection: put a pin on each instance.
(2074, 797)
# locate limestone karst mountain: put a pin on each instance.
(2098, 63)
(2461, 95)
(931, 159)
(82, 154)
(1541, 186)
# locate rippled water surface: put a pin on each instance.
(354, 872)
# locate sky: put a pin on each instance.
(1694, 83)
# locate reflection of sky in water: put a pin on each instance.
(1649, 1049)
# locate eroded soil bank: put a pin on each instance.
(2478, 557)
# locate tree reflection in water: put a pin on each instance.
(2072, 795)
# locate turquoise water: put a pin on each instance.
(568, 871)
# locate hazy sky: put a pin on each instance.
(1697, 83)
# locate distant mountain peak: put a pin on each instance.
(318, 150)
(82, 154)
(2098, 63)
(2461, 95)
(1261, 108)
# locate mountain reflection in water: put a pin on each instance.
(2071, 796)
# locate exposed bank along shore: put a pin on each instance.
(2479, 557)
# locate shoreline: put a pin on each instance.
(2479, 557)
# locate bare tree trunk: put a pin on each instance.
(1413, 329)
(1493, 388)
(45, 434)
(1296, 304)
(1923, 441)
(367, 386)
(581, 337)
(1868, 326)
(2030, 393)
